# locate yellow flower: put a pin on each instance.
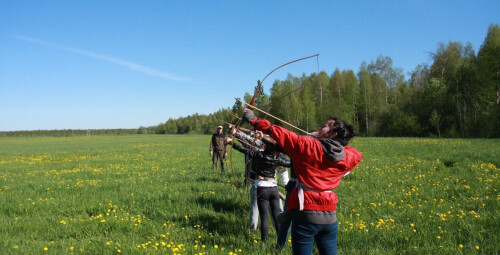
(216, 246)
(46, 249)
(15, 247)
(477, 247)
(461, 246)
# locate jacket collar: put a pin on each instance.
(334, 151)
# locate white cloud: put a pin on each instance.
(130, 65)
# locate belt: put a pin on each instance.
(300, 192)
(267, 179)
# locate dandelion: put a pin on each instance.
(46, 249)
(461, 246)
(477, 247)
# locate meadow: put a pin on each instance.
(157, 194)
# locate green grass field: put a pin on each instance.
(151, 194)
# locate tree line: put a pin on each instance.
(457, 95)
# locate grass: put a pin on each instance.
(151, 194)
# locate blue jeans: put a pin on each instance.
(305, 234)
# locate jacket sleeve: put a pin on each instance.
(252, 152)
(248, 139)
(289, 141)
(212, 143)
(284, 162)
(240, 148)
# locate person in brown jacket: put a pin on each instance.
(218, 149)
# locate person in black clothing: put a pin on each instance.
(218, 149)
(264, 164)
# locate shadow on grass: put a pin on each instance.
(221, 205)
(218, 223)
(217, 175)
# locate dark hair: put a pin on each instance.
(271, 146)
(344, 132)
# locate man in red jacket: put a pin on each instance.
(319, 163)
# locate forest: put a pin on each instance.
(456, 96)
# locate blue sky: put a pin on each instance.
(125, 64)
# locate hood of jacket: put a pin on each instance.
(334, 151)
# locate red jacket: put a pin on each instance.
(312, 167)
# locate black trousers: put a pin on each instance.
(268, 198)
